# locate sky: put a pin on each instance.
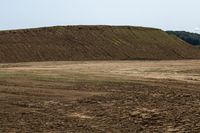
(163, 14)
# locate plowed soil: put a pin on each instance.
(101, 96)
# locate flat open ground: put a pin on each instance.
(100, 96)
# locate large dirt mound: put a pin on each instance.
(92, 43)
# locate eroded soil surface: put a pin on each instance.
(81, 97)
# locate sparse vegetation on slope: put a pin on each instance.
(92, 43)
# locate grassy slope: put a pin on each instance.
(92, 43)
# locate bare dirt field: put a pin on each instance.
(100, 96)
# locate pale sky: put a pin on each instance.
(163, 14)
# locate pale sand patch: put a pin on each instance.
(80, 115)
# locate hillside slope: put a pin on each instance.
(92, 43)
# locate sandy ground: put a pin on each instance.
(176, 70)
(100, 96)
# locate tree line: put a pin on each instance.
(192, 38)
